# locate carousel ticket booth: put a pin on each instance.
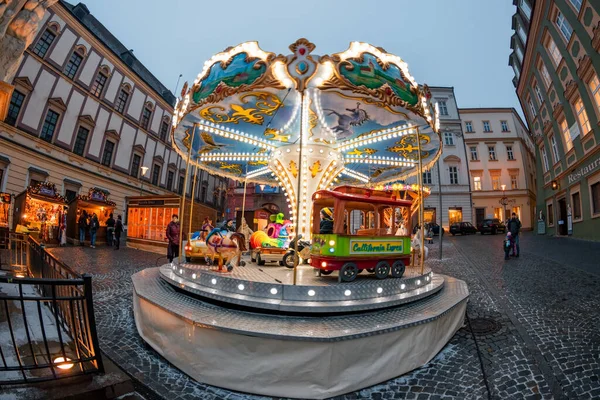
(96, 201)
(41, 212)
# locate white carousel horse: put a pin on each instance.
(228, 246)
(416, 243)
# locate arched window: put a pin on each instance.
(75, 62)
(123, 98)
(100, 81)
(146, 114)
(46, 39)
(164, 129)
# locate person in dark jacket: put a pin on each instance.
(174, 237)
(118, 230)
(110, 230)
(227, 226)
(326, 225)
(94, 225)
(83, 224)
(514, 227)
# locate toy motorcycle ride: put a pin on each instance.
(303, 249)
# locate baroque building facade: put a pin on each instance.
(85, 113)
(501, 164)
(556, 61)
(450, 174)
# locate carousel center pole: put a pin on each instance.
(244, 201)
(192, 202)
(421, 206)
(185, 184)
(298, 194)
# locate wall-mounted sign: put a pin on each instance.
(151, 202)
(584, 171)
(46, 191)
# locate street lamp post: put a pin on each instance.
(144, 170)
(504, 201)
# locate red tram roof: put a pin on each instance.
(350, 193)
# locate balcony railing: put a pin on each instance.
(46, 318)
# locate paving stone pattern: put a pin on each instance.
(546, 302)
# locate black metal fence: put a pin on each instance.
(47, 324)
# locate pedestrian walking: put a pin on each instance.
(118, 230)
(94, 225)
(110, 230)
(174, 237)
(83, 225)
(514, 227)
(508, 245)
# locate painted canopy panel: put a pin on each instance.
(250, 110)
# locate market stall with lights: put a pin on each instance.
(42, 212)
(96, 201)
(305, 123)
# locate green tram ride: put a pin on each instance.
(373, 247)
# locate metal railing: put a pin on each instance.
(47, 324)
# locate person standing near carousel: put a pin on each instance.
(173, 236)
(83, 225)
(94, 225)
(245, 230)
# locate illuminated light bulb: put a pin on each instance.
(379, 290)
(213, 281)
(403, 286)
(347, 292)
(64, 364)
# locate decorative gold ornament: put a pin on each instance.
(315, 168)
(293, 168)
(273, 134)
(234, 168)
(407, 146)
(258, 163)
(266, 104)
(357, 152)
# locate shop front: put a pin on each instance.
(41, 212)
(148, 217)
(489, 207)
(95, 202)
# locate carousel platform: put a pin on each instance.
(299, 356)
(271, 288)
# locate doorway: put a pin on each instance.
(562, 217)
(479, 216)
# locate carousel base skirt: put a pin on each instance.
(272, 287)
(293, 356)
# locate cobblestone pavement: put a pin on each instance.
(542, 340)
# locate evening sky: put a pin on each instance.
(459, 43)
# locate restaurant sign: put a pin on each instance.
(584, 171)
(376, 246)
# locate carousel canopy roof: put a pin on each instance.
(249, 108)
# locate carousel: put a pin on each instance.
(353, 302)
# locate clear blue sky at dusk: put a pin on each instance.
(460, 43)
